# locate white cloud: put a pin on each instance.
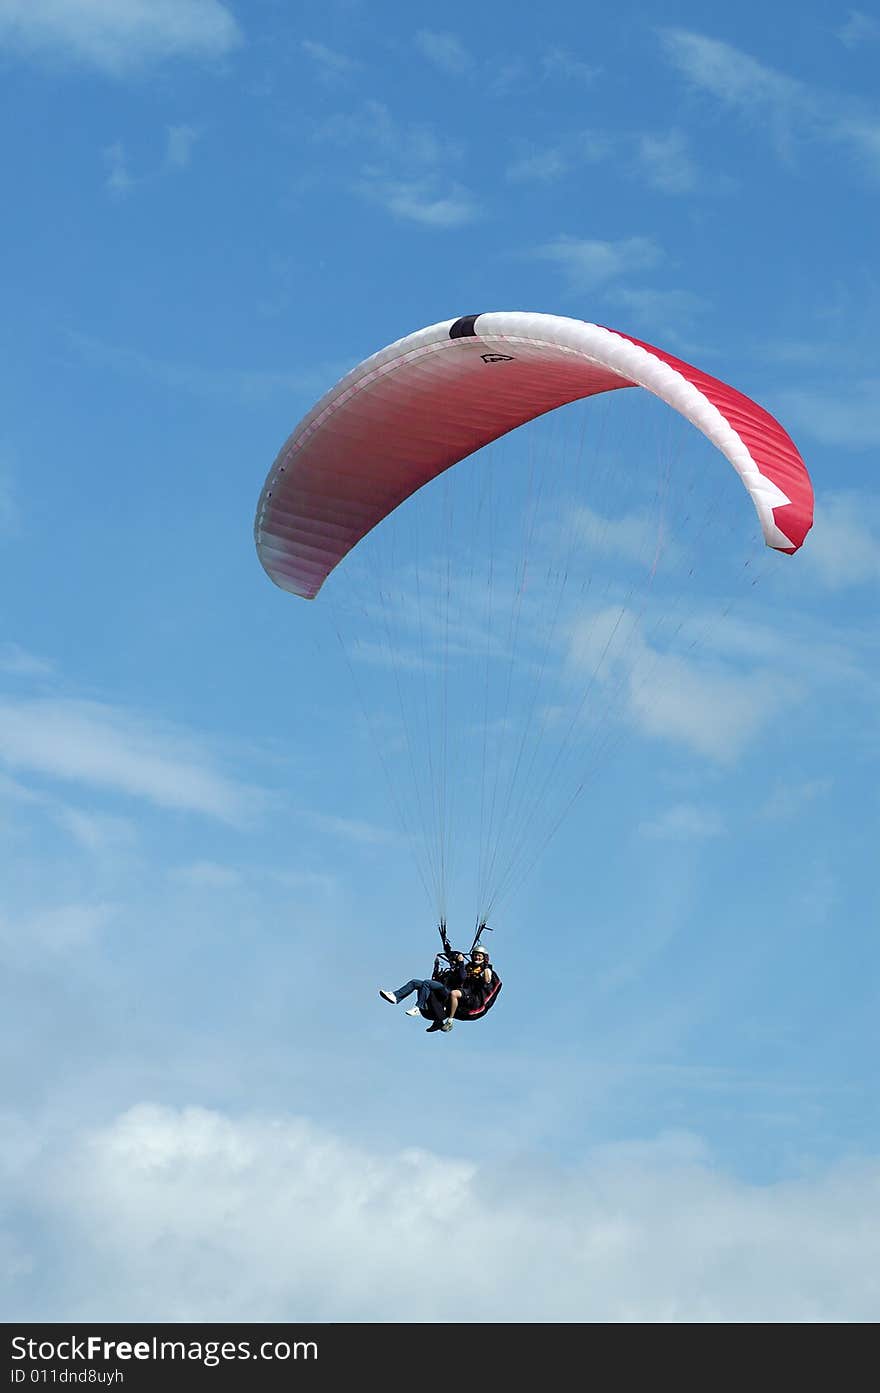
(667, 310)
(843, 545)
(403, 172)
(119, 180)
(116, 36)
(422, 200)
(684, 822)
(372, 128)
(17, 662)
(661, 160)
(848, 417)
(539, 167)
(107, 747)
(859, 29)
(192, 1215)
(351, 829)
(786, 801)
(710, 706)
(788, 109)
(559, 62)
(63, 929)
(244, 383)
(207, 875)
(9, 512)
(445, 51)
(332, 66)
(180, 142)
(96, 832)
(629, 536)
(666, 162)
(588, 263)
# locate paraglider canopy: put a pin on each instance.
(516, 657)
(414, 409)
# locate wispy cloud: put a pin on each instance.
(790, 110)
(631, 536)
(588, 262)
(119, 180)
(111, 748)
(711, 706)
(63, 929)
(848, 416)
(374, 131)
(558, 62)
(667, 162)
(596, 1242)
(446, 52)
(547, 164)
(684, 822)
(9, 512)
(207, 875)
(403, 166)
(96, 833)
(787, 801)
(660, 159)
(18, 662)
(119, 37)
(180, 143)
(422, 200)
(332, 66)
(673, 311)
(844, 549)
(350, 829)
(859, 29)
(246, 384)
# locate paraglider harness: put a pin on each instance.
(469, 1009)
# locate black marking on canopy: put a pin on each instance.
(464, 328)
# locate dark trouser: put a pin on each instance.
(427, 991)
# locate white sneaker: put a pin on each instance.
(413, 1011)
(388, 996)
(447, 1025)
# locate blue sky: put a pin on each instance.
(211, 211)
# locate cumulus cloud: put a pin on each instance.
(116, 38)
(189, 1214)
(108, 747)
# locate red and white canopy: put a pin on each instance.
(419, 406)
